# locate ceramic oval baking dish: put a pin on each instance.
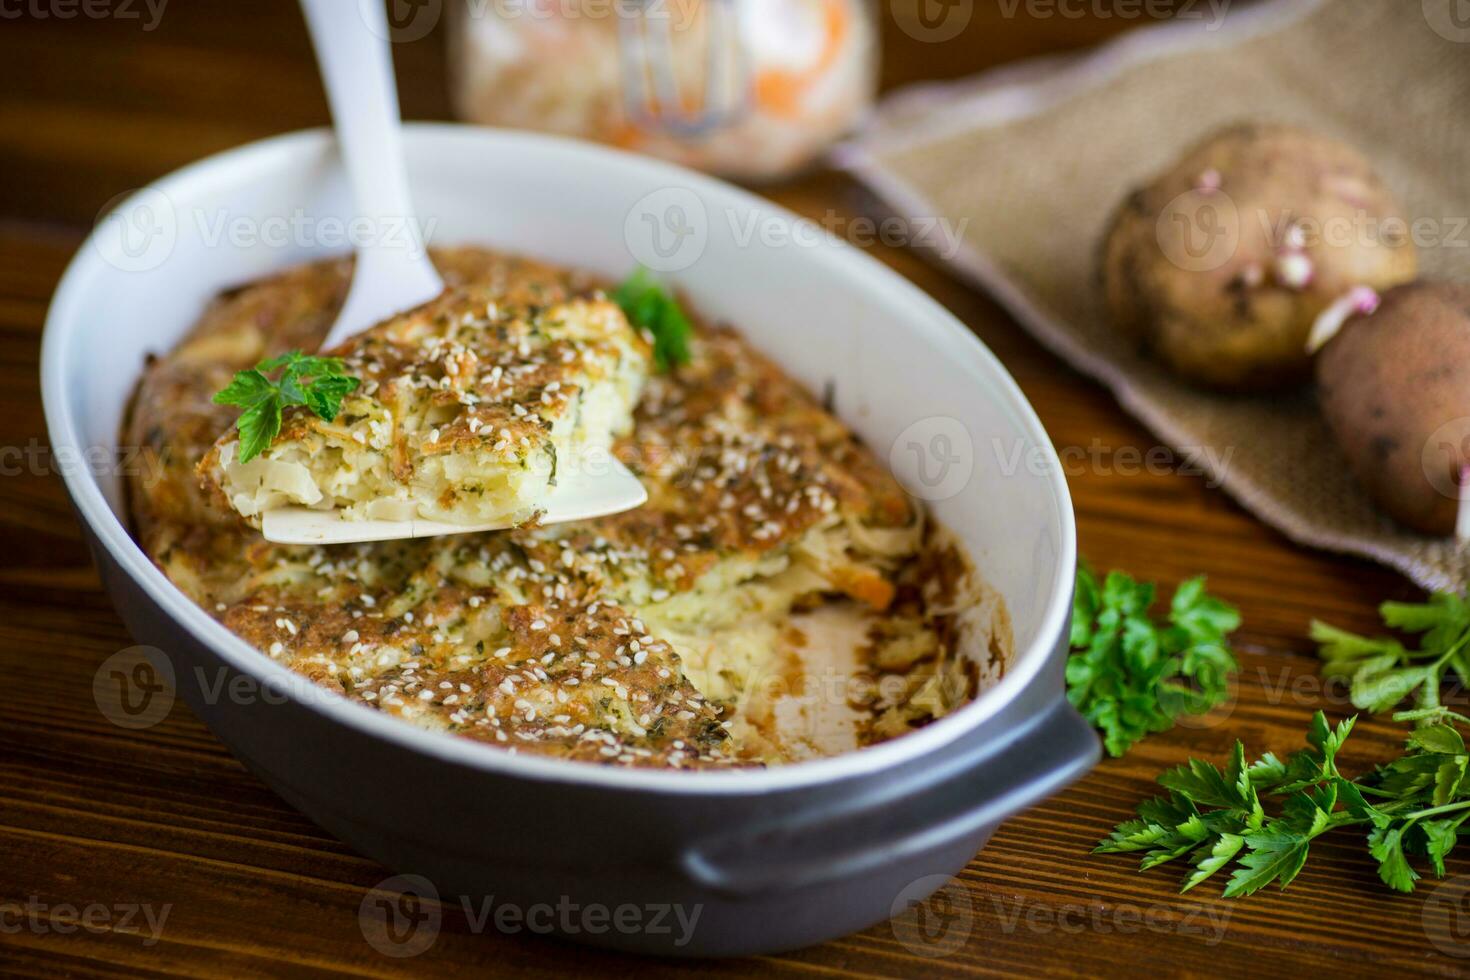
(774, 859)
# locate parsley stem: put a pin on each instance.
(1446, 808)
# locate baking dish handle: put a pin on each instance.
(979, 788)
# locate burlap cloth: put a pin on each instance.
(1037, 156)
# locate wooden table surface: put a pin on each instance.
(97, 817)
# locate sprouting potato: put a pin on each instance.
(1395, 388)
(1221, 266)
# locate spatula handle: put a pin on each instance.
(393, 269)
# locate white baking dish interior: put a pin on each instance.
(834, 318)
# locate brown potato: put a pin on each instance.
(1395, 388)
(1221, 266)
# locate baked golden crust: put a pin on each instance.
(467, 408)
(639, 639)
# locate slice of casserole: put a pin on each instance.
(466, 410)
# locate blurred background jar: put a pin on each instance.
(751, 89)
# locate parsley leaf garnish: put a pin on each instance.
(649, 306)
(1411, 808)
(319, 383)
(1383, 671)
(1130, 676)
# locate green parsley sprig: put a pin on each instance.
(1383, 671)
(1411, 808)
(650, 306)
(319, 383)
(1130, 676)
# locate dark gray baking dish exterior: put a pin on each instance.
(772, 860)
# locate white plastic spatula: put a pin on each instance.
(578, 496)
(393, 273)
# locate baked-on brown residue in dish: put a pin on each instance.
(633, 639)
